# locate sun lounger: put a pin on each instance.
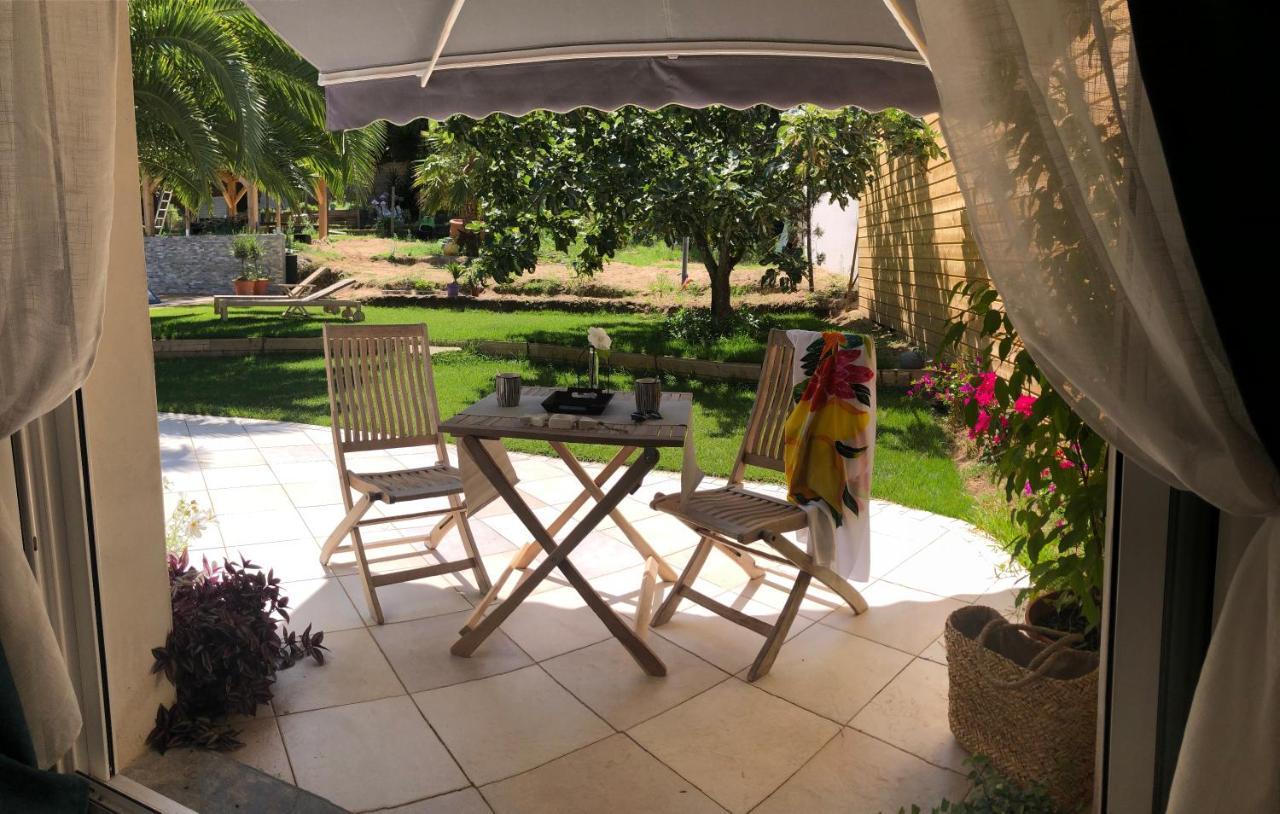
(295, 305)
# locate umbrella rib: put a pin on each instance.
(454, 11)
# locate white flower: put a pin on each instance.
(599, 339)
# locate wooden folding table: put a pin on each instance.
(484, 421)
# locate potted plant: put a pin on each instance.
(472, 281)
(261, 282)
(247, 250)
(1051, 464)
(455, 271)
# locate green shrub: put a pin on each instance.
(697, 326)
(993, 793)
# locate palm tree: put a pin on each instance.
(194, 99)
(446, 177)
(223, 101)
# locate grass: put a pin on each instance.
(913, 464)
(411, 248)
(634, 332)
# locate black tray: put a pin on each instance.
(578, 401)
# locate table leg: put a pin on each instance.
(557, 558)
(592, 488)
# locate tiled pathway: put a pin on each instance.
(551, 715)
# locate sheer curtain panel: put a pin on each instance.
(58, 62)
(1070, 200)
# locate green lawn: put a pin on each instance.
(913, 464)
(635, 332)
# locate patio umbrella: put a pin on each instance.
(404, 59)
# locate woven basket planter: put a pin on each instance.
(1029, 707)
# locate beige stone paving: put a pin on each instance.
(551, 714)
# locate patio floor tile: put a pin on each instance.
(308, 493)
(292, 561)
(552, 622)
(298, 453)
(605, 678)
(831, 672)
(404, 601)
(263, 748)
(911, 713)
(510, 526)
(857, 774)
(613, 775)
(734, 742)
(506, 724)
(232, 476)
(466, 801)
(321, 603)
(544, 735)
(936, 652)
(305, 472)
(370, 755)
(900, 617)
(243, 499)
(954, 566)
(419, 653)
(223, 458)
(725, 644)
(666, 534)
(353, 670)
(252, 528)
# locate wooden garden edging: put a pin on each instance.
(538, 351)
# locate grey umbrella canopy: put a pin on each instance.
(404, 59)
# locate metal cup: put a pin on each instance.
(648, 395)
(507, 386)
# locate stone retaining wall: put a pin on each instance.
(202, 264)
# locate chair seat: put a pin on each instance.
(734, 512)
(408, 484)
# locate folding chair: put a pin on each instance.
(733, 517)
(382, 396)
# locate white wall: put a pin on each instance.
(123, 452)
(835, 230)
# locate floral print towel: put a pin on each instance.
(830, 444)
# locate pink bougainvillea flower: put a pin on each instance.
(1026, 489)
(986, 392)
(980, 426)
(1024, 404)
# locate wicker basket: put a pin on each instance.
(1027, 706)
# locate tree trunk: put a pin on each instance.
(721, 306)
(148, 189)
(232, 190)
(322, 204)
(279, 216)
(186, 221)
(253, 205)
(808, 233)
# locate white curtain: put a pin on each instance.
(58, 61)
(1070, 201)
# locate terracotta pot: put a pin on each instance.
(455, 227)
(242, 288)
(261, 287)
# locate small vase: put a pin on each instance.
(593, 368)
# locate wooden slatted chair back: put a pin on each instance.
(763, 443)
(381, 391)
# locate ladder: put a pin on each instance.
(162, 209)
